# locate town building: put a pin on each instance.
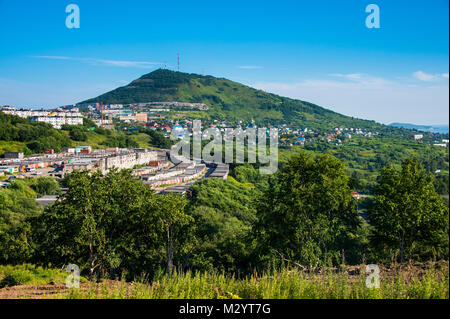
(13, 155)
(58, 121)
(104, 161)
(56, 118)
(141, 117)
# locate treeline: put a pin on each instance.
(157, 139)
(365, 157)
(17, 208)
(37, 136)
(304, 216)
(81, 133)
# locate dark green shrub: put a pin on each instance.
(16, 277)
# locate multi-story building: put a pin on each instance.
(56, 118)
(58, 121)
(104, 122)
(121, 159)
(32, 113)
(13, 155)
(140, 117)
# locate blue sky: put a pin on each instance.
(319, 51)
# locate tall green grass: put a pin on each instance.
(28, 274)
(284, 284)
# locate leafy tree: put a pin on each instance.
(88, 123)
(109, 224)
(408, 214)
(441, 184)
(44, 185)
(120, 140)
(307, 214)
(246, 173)
(170, 212)
(78, 134)
(158, 139)
(224, 213)
(17, 208)
(81, 228)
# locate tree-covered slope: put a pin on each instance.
(227, 99)
(20, 135)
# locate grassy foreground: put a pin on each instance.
(418, 281)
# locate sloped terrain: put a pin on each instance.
(227, 99)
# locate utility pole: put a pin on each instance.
(178, 61)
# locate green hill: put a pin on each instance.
(227, 99)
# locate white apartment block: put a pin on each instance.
(120, 160)
(31, 113)
(55, 118)
(103, 122)
(58, 121)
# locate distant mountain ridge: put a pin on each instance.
(442, 129)
(228, 99)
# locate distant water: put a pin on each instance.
(442, 129)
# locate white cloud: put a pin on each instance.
(371, 98)
(351, 76)
(94, 61)
(249, 67)
(422, 76)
